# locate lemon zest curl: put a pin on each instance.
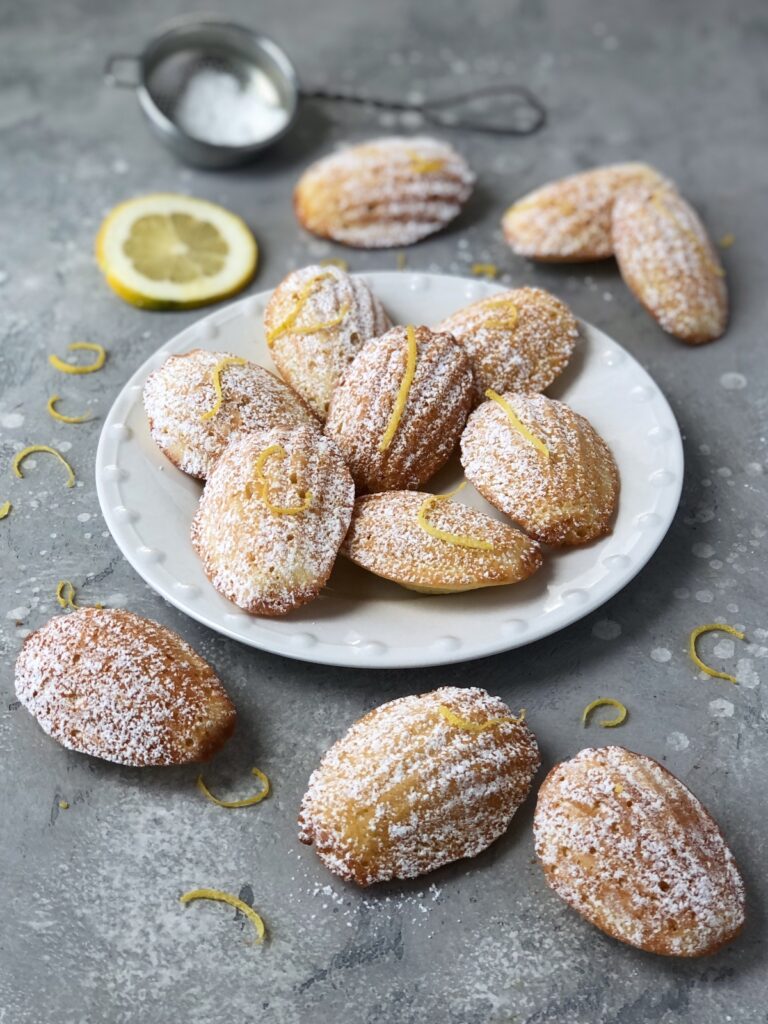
(233, 901)
(402, 394)
(469, 726)
(460, 540)
(520, 427)
(710, 628)
(281, 510)
(248, 801)
(20, 456)
(605, 702)
(51, 407)
(216, 381)
(89, 346)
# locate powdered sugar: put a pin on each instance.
(404, 791)
(626, 844)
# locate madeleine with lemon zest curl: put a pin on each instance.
(226, 897)
(216, 381)
(247, 801)
(711, 628)
(88, 346)
(605, 702)
(51, 407)
(19, 457)
(458, 548)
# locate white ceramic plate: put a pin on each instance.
(360, 620)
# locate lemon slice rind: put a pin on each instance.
(138, 289)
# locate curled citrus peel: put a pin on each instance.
(248, 801)
(426, 165)
(710, 628)
(88, 346)
(233, 901)
(704, 250)
(280, 510)
(402, 394)
(5, 508)
(605, 702)
(507, 319)
(216, 381)
(31, 450)
(516, 423)
(469, 726)
(485, 269)
(460, 540)
(325, 324)
(65, 595)
(310, 287)
(51, 407)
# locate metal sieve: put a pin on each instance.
(217, 94)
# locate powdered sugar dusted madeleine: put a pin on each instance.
(631, 848)
(107, 683)
(428, 543)
(400, 407)
(569, 220)
(272, 517)
(669, 263)
(544, 466)
(385, 192)
(316, 322)
(191, 426)
(417, 783)
(519, 340)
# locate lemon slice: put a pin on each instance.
(166, 251)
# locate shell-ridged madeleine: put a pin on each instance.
(544, 465)
(396, 430)
(668, 262)
(569, 220)
(386, 192)
(180, 401)
(272, 517)
(316, 321)
(519, 340)
(108, 683)
(631, 848)
(417, 783)
(433, 545)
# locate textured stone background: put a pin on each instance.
(90, 925)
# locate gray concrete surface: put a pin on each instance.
(90, 926)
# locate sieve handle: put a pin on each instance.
(115, 77)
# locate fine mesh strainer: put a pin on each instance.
(217, 94)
